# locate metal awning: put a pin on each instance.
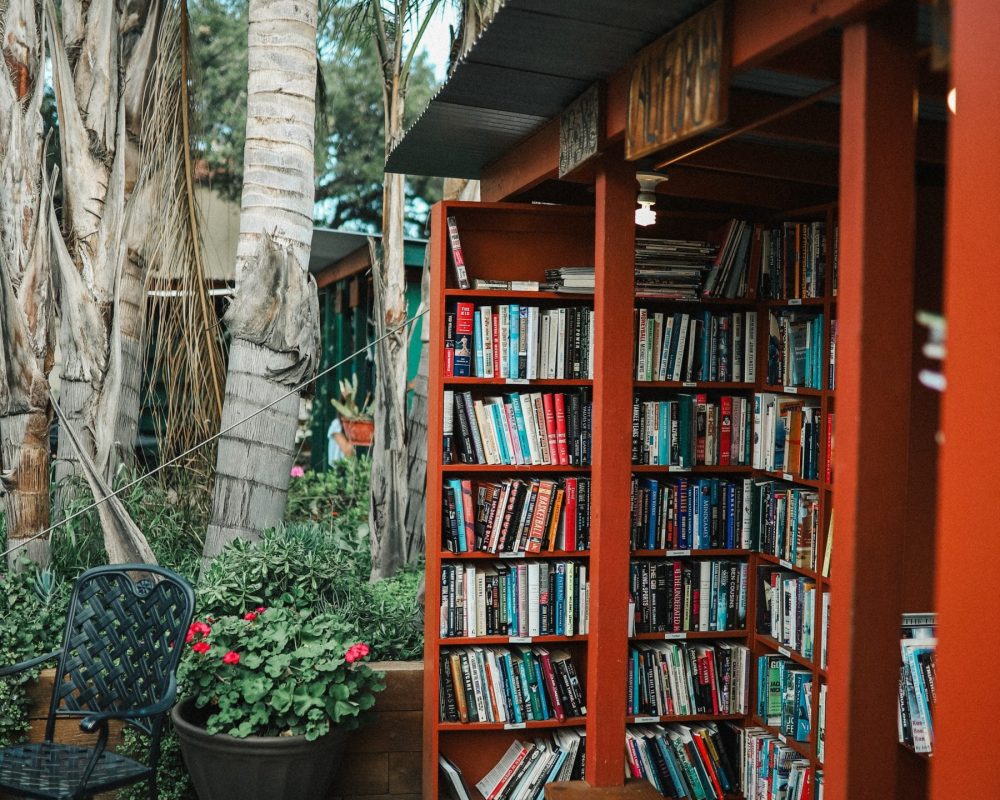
(533, 60)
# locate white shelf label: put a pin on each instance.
(681, 635)
(782, 739)
(675, 468)
(787, 476)
(785, 564)
(515, 726)
(519, 554)
(689, 384)
(678, 552)
(791, 389)
(785, 652)
(517, 381)
(795, 301)
(519, 639)
(640, 720)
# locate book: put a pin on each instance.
(665, 599)
(457, 258)
(453, 781)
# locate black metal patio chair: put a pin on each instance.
(124, 638)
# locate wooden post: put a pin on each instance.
(873, 396)
(965, 762)
(614, 296)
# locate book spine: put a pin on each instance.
(464, 326)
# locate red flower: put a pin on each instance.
(190, 636)
(261, 609)
(232, 657)
(199, 629)
(201, 647)
(250, 616)
(356, 652)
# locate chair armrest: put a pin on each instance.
(13, 669)
(92, 721)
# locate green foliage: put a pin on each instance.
(278, 671)
(337, 498)
(173, 781)
(33, 608)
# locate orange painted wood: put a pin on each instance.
(612, 453)
(965, 761)
(873, 385)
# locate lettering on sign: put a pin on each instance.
(580, 130)
(679, 84)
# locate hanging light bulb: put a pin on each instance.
(644, 213)
(952, 99)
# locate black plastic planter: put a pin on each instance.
(259, 767)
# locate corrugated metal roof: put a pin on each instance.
(534, 58)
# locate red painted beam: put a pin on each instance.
(965, 763)
(875, 307)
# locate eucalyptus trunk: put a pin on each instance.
(274, 319)
(25, 286)
(387, 514)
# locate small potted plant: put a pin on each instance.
(359, 427)
(270, 697)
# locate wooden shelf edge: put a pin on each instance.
(803, 571)
(484, 556)
(773, 644)
(650, 719)
(701, 469)
(687, 636)
(804, 749)
(511, 468)
(682, 553)
(477, 641)
(472, 727)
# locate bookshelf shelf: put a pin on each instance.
(728, 302)
(767, 558)
(809, 302)
(460, 641)
(689, 635)
(701, 469)
(477, 381)
(666, 719)
(507, 294)
(773, 644)
(689, 553)
(472, 727)
(790, 478)
(511, 468)
(804, 749)
(707, 386)
(481, 556)
(804, 391)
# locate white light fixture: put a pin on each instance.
(952, 99)
(644, 213)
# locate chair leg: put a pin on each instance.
(153, 794)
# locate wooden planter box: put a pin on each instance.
(383, 760)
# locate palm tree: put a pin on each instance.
(274, 319)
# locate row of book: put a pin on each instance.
(527, 766)
(673, 596)
(681, 679)
(672, 268)
(730, 274)
(519, 342)
(796, 353)
(690, 513)
(518, 428)
(516, 516)
(788, 431)
(682, 760)
(917, 682)
(509, 685)
(784, 522)
(524, 600)
(692, 430)
(793, 260)
(571, 280)
(788, 612)
(771, 770)
(695, 347)
(784, 696)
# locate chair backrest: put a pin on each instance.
(124, 639)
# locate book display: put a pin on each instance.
(730, 501)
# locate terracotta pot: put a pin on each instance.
(223, 767)
(359, 432)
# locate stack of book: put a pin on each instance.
(788, 612)
(695, 347)
(527, 766)
(692, 430)
(785, 523)
(509, 685)
(917, 682)
(771, 770)
(547, 598)
(788, 431)
(673, 596)
(795, 350)
(519, 342)
(572, 280)
(671, 268)
(690, 514)
(516, 516)
(672, 679)
(682, 760)
(518, 428)
(730, 274)
(793, 260)
(784, 696)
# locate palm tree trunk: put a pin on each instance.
(25, 440)
(274, 319)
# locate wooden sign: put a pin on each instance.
(580, 130)
(679, 84)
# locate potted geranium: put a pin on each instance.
(356, 418)
(269, 700)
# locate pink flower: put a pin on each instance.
(260, 609)
(250, 616)
(232, 657)
(201, 647)
(356, 652)
(298, 472)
